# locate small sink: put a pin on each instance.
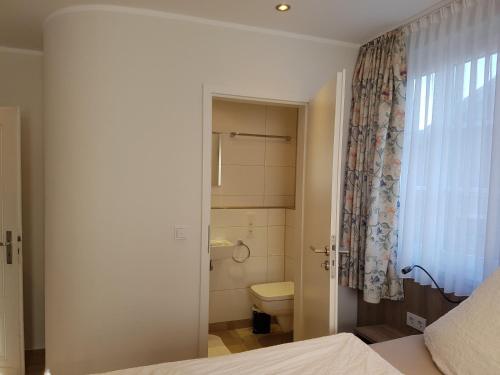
(221, 249)
(221, 243)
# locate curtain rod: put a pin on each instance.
(427, 12)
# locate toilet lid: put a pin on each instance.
(273, 291)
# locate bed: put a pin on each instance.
(408, 354)
(466, 340)
(339, 354)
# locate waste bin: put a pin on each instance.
(261, 321)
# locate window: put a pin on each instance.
(450, 186)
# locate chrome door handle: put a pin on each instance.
(324, 250)
(8, 246)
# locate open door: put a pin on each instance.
(11, 323)
(322, 205)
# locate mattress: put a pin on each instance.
(408, 354)
(337, 354)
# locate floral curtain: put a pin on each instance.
(371, 191)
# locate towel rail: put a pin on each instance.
(238, 134)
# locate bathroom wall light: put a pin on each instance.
(282, 7)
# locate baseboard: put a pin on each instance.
(225, 326)
(233, 324)
(34, 361)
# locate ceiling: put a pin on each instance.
(354, 21)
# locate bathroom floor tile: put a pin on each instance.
(216, 347)
(229, 338)
(243, 339)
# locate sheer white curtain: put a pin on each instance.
(450, 187)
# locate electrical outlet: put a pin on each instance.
(415, 321)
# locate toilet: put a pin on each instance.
(275, 299)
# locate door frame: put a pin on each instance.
(19, 243)
(337, 187)
(209, 93)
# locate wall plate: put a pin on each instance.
(416, 321)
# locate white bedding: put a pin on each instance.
(467, 339)
(343, 353)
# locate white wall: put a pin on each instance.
(21, 85)
(124, 165)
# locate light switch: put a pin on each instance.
(180, 232)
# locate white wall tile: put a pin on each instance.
(291, 245)
(276, 216)
(280, 153)
(281, 121)
(254, 237)
(239, 217)
(290, 217)
(275, 268)
(279, 200)
(289, 269)
(276, 240)
(242, 180)
(237, 200)
(238, 117)
(279, 181)
(227, 274)
(244, 151)
(228, 305)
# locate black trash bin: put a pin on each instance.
(261, 321)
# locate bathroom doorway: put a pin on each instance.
(253, 237)
(259, 270)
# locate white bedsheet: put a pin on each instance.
(343, 353)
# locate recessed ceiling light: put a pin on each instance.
(282, 7)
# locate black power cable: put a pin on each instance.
(408, 269)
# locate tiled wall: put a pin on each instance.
(291, 244)
(263, 230)
(256, 172)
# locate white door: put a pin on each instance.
(11, 323)
(322, 190)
